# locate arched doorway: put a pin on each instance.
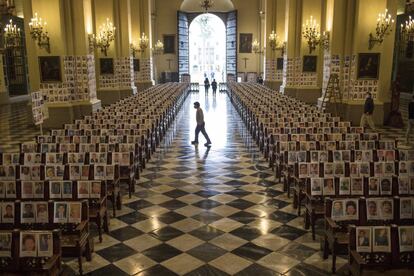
(207, 48)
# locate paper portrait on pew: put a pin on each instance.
(406, 238)
(337, 210)
(382, 239)
(28, 244)
(7, 212)
(363, 239)
(5, 244)
(45, 244)
(406, 207)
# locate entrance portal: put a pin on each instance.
(207, 41)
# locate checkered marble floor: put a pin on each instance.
(199, 211)
(207, 212)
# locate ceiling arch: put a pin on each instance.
(219, 6)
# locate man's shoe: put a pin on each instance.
(194, 143)
(207, 145)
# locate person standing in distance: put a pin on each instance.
(410, 120)
(366, 117)
(206, 85)
(214, 86)
(200, 126)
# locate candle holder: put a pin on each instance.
(311, 33)
(275, 44)
(142, 45)
(407, 31)
(158, 48)
(256, 47)
(383, 29)
(12, 35)
(104, 37)
(38, 32)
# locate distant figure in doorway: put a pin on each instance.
(260, 80)
(206, 85)
(366, 117)
(410, 120)
(214, 86)
(200, 126)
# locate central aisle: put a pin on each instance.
(208, 212)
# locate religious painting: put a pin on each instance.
(50, 70)
(245, 45)
(169, 44)
(309, 64)
(106, 66)
(279, 64)
(136, 65)
(368, 65)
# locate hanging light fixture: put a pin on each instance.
(12, 35)
(206, 5)
(38, 32)
(104, 37)
(384, 28)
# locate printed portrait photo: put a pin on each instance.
(5, 244)
(28, 245)
(363, 239)
(382, 239)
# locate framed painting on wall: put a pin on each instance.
(309, 64)
(279, 64)
(169, 44)
(136, 65)
(368, 65)
(106, 66)
(50, 70)
(245, 45)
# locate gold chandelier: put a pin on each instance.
(384, 28)
(38, 32)
(12, 35)
(275, 44)
(104, 37)
(313, 36)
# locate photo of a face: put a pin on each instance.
(42, 213)
(83, 189)
(55, 189)
(314, 170)
(389, 168)
(379, 169)
(373, 187)
(25, 173)
(27, 189)
(96, 189)
(85, 172)
(339, 169)
(323, 156)
(338, 210)
(363, 239)
(328, 186)
(364, 169)
(61, 212)
(351, 209)
(5, 244)
(7, 212)
(75, 172)
(354, 169)
(99, 172)
(344, 186)
(386, 186)
(50, 172)
(316, 186)
(357, 186)
(27, 212)
(372, 209)
(110, 172)
(45, 244)
(67, 189)
(74, 212)
(38, 189)
(27, 245)
(10, 187)
(406, 208)
(387, 209)
(403, 186)
(381, 239)
(406, 237)
(328, 169)
(403, 168)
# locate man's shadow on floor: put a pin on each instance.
(205, 155)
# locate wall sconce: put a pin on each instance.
(407, 31)
(325, 40)
(311, 33)
(256, 47)
(39, 32)
(383, 29)
(12, 35)
(142, 45)
(275, 44)
(104, 37)
(158, 48)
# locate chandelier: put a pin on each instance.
(275, 44)
(206, 5)
(407, 31)
(384, 28)
(313, 36)
(12, 35)
(104, 37)
(158, 48)
(142, 45)
(39, 32)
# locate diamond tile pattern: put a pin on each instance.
(199, 211)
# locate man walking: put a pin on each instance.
(214, 86)
(206, 85)
(200, 126)
(366, 117)
(410, 120)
